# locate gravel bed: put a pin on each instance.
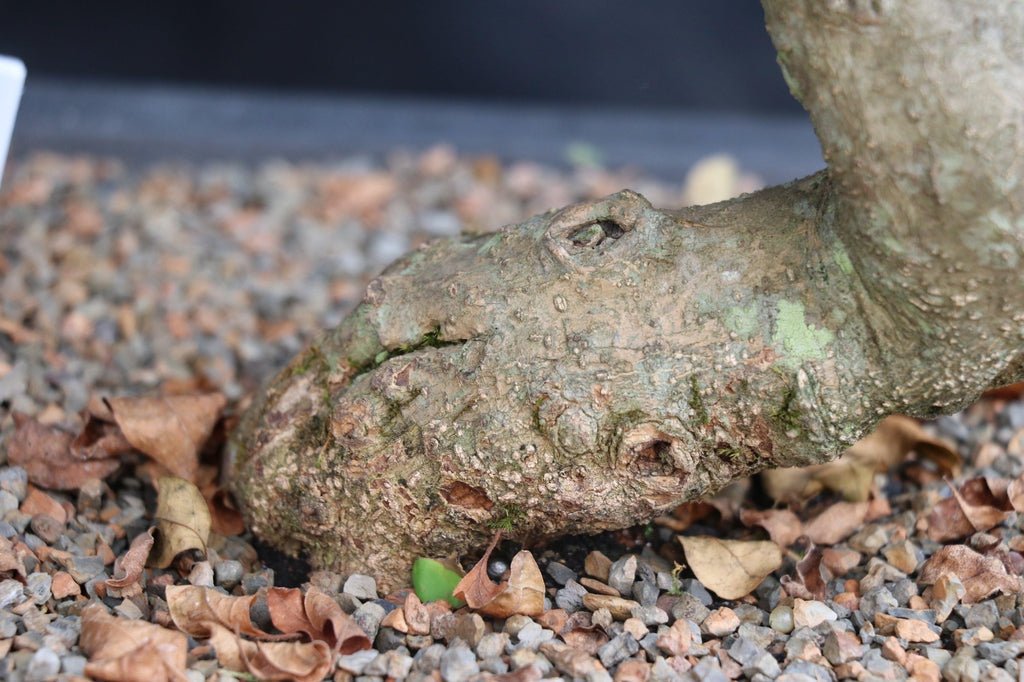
(125, 282)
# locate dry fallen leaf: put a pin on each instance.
(100, 439)
(981, 575)
(1015, 493)
(182, 520)
(522, 593)
(133, 562)
(298, 661)
(783, 526)
(170, 429)
(730, 568)
(226, 519)
(195, 609)
(892, 441)
(812, 576)
(44, 452)
(475, 588)
(318, 616)
(978, 505)
(122, 650)
(838, 522)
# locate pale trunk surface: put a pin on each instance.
(595, 366)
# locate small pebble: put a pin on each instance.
(228, 573)
(560, 573)
(617, 650)
(458, 664)
(720, 622)
(811, 613)
(38, 586)
(45, 664)
(201, 574)
(11, 593)
(368, 617)
(361, 586)
(622, 574)
(14, 480)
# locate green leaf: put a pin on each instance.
(432, 580)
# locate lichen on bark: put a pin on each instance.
(595, 366)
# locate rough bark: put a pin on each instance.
(595, 366)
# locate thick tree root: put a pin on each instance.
(592, 367)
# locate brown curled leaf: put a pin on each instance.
(133, 562)
(44, 452)
(122, 650)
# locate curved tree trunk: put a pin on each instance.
(595, 366)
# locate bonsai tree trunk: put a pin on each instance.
(595, 366)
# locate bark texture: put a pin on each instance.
(595, 366)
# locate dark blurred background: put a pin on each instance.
(222, 67)
(666, 53)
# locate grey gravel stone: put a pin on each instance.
(458, 664)
(961, 668)
(515, 623)
(84, 568)
(1000, 652)
(622, 574)
(760, 635)
(368, 617)
(361, 586)
(935, 655)
(254, 582)
(393, 664)
(11, 593)
(927, 615)
(661, 671)
(15, 481)
(8, 502)
(561, 573)
(8, 625)
(492, 645)
(38, 587)
(903, 589)
(690, 607)
(879, 666)
(388, 639)
(356, 662)
(645, 592)
(496, 666)
(650, 615)
(983, 614)
(706, 670)
(44, 665)
(73, 665)
(618, 649)
(745, 651)
(228, 573)
(810, 671)
(570, 597)
(428, 659)
(765, 665)
(693, 586)
(532, 635)
(526, 658)
(878, 600)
